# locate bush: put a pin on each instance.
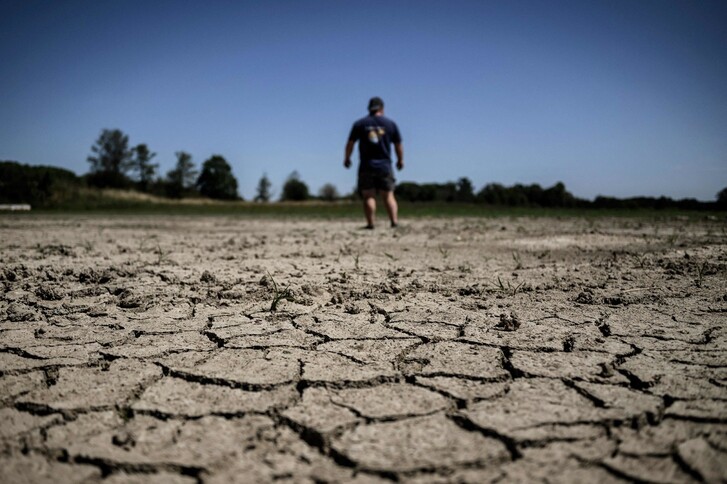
(328, 192)
(37, 185)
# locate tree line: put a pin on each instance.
(491, 194)
(114, 163)
(534, 195)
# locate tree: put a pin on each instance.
(111, 159)
(465, 190)
(328, 192)
(492, 194)
(263, 189)
(143, 167)
(294, 189)
(216, 179)
(557, 196)
(181, 179)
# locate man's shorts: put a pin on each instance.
(379, 180)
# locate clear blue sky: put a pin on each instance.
(611, 97)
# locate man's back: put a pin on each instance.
(375, 134)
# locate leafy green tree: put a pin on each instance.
(216, 179)
(328, 192)
(557, 196)
(181, 178)
(294, 189)
(465, 190)
(142, 166)
(262, 193)
(111, 160)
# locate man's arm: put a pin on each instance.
(349, 150)
(399, 156)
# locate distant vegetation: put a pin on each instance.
(43, 186)
(263, 191)
(181, 179)
(216, 180)
(535, 196)
(115, 164)
(294, 190)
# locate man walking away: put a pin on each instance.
(375, 133)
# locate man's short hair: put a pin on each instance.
(375, 103)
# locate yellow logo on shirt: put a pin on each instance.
(374, 134)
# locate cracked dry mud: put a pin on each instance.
(142, 349)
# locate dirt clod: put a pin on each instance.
(508, 322)
(208, 277)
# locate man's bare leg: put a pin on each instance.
(369, 202)
(391, 207)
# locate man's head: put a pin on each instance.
(376, 104)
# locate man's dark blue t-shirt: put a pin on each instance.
(375, 135)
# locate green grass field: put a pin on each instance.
(127, 202)
(338, 210)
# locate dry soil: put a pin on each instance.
(144, 349)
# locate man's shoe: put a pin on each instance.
(394, 225)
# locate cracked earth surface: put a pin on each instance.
(143, 349)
